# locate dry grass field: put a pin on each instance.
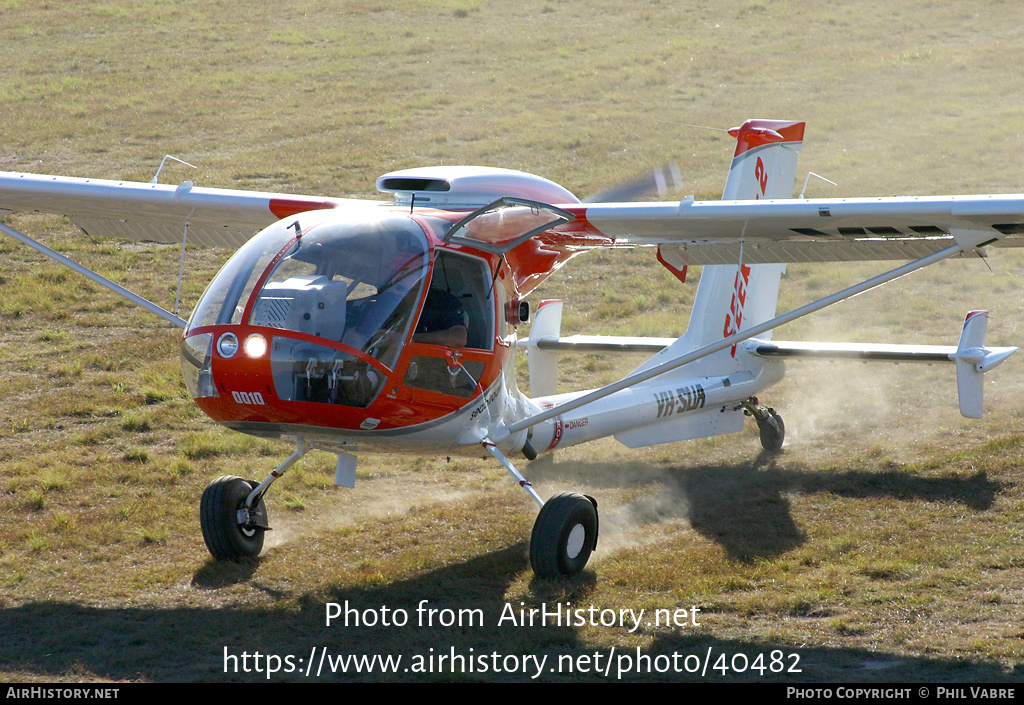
(885, 544)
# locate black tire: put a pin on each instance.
(564, 535)
(226, 539)
(772, 437)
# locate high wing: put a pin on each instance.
(154, 212)
(812, 230)
(689, 232)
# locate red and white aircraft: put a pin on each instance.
(353, 326)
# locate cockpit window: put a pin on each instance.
(458, 313)
(352, 280)
(223, 299)
(354, 283)
(461, 298)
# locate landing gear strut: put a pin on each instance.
(769, 423)
(233, 514)
(565, 532)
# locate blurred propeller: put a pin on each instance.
(663, 179)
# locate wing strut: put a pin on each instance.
(968, 240)
(98, 278)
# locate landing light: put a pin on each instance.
(255, 346)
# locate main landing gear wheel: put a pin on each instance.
(232, 534)
(564, 535)
(773, 432)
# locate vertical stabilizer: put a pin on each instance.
(732, 297)
(764, 164)
(973, 360)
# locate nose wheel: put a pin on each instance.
(232, 531)
(233, 514)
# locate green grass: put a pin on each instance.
(884, 543)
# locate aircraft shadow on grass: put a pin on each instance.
(62, 640)
(744, 507)
(472, 617)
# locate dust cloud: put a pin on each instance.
(376, 498)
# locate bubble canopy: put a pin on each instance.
(354, 279)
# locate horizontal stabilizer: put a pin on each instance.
(971, 356)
